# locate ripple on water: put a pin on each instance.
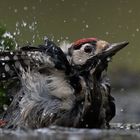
(61, 133)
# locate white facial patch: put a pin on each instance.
(79, 56)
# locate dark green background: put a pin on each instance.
(111, 20)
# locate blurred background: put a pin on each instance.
(29, 21)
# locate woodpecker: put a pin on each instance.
(57, 88)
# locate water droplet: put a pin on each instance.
(87, 26)
(128, 126)
(11, 53)
(122, 126)
(99, 18)
(83, 21)
(44, 114)
(82, 120)
(3, 75)
(24, 24)
(3, 64)
(25, 8)
(130, 11)
(122, 90)
(67, 37)
(7, 34)
(74, 19)
(33, 7)
(107, 33)
(1, 58)
(133, 35)
(5, 107)
(86, 125)
(108, 59)
(17, 24)
(51, 114)
(15, 10)
(137, 30)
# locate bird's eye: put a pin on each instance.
(88, 49)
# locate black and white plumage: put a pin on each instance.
(56, 90)
(34, 58)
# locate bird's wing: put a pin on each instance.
(35, 58)
(10, 63)
(41, 59)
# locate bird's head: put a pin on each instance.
(85, 51)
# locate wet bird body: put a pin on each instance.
(55, 90)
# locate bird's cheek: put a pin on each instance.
(77, 58)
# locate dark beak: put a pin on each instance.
(112, 49)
